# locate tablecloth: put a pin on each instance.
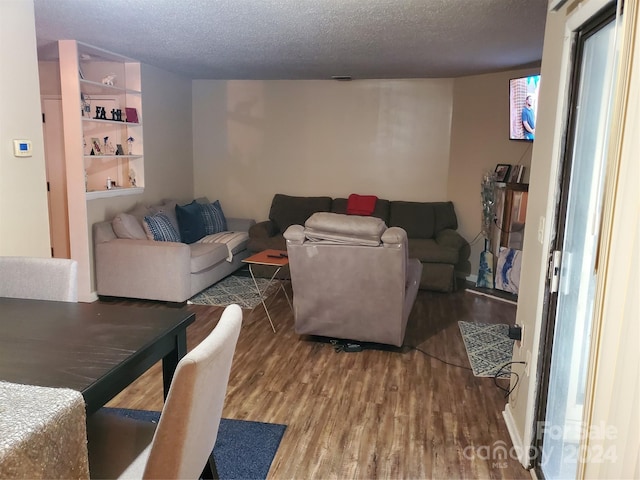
(42, 432)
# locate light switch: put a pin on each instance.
(22, 148)
(541, 229)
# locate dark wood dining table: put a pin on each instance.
(95, 348)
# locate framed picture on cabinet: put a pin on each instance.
(515, 175)
(502, 172)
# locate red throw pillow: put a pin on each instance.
(361, 204)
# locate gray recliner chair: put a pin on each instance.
(351, 278)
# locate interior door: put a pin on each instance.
(573, 264)
(56, 177)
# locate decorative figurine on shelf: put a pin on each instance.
(130, 141)
(85, 105)
(109, 79)
(116, 114)
(95, 147)
(132, 177)
(101, 113)
(487, 193)
(108, 148)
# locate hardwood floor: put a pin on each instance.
(386, 413)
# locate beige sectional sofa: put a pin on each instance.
(431, 229)
(129, 264)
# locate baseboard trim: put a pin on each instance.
(518, 447)
(92, 297)
(495, 297)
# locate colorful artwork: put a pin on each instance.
(508, 270)
(485, 272)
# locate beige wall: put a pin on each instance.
(167, 144)
(479, 141)
(166, 106)
(49, 73)
(24, 218)
(541, 204)
(374, 129)
(422, 140)
(252, 139)
(613, 385)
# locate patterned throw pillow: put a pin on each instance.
(160, 228)
(213, 218)
(169, 209)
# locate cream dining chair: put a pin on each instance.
(181, 446)
(39, 278)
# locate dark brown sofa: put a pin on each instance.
(430, 226)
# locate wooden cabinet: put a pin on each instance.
(511, 208)
(107, 121)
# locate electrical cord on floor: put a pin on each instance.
(501, 374)
(411, 347)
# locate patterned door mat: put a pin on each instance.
(235, 289)
(488, 347)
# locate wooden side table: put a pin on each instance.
(272, 258)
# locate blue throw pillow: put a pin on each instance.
(213, 218)
(161, 228)
(190, 222)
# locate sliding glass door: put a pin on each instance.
(573, 274)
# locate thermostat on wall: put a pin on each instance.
(22, 148)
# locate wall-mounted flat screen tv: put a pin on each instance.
(523, 106)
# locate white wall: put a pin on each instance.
(24, 217)
(252, 139)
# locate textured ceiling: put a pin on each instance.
(304, 39)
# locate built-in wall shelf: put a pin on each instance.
(109, 118)
(111, 156)
(114, 192)
(91, 77)
(90, 87)
(115, 122)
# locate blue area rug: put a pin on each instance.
(243, 450)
